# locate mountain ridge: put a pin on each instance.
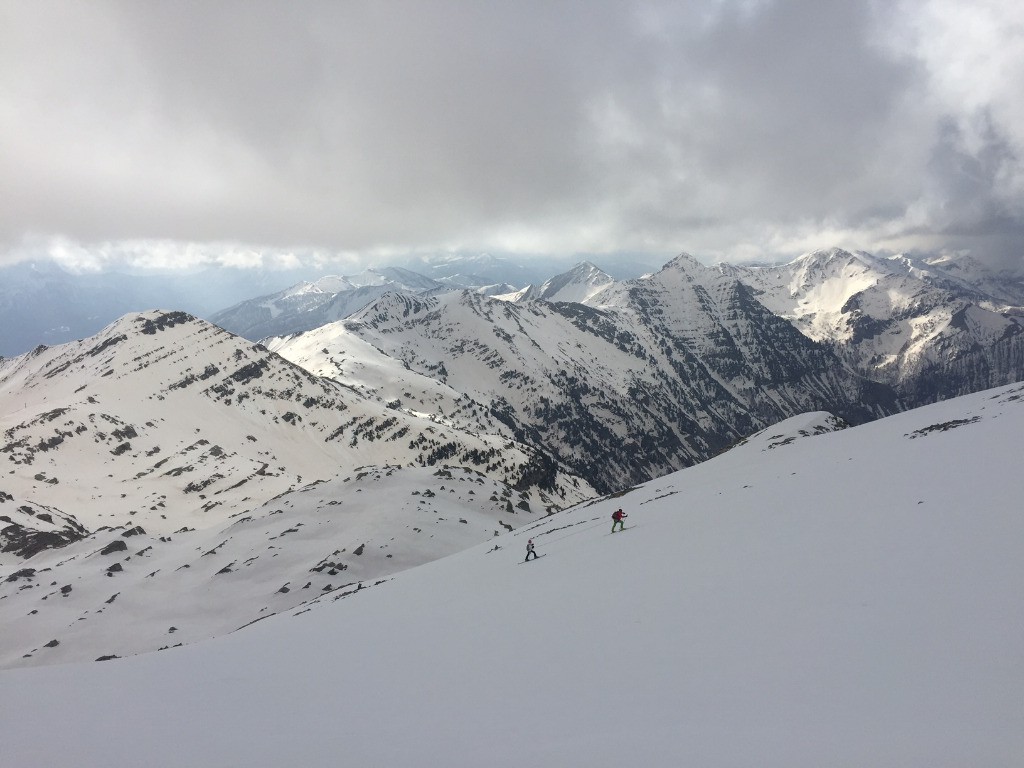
(927, 336)
(163, 403)
(647, 376)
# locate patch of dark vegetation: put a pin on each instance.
(250, 372)
(944, 427)
(208, 372)
(24, 573)
(115, 546)
(125, 433)
(104, 346)
(194, 487)
(26, 542)
(214, 550)
(50, 442)
(541, 471)
(150, 326)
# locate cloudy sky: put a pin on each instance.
(732, 129)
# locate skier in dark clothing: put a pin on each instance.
(618, 516)
(530, 551)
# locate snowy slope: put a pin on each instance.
(121, 591)
(146, 465)
(841, 599)
(340, 352)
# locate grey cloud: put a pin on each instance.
(777, 114)
(574, 126)
(966, 181)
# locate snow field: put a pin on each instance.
(846, 599)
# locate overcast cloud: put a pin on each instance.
(729, 129)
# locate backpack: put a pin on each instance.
(617, 515)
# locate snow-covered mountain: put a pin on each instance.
(171, 411)
(165, 443)
(577, 285)
(308, 305)
(649, 376)
(998, 289)
(802, 600)
(898, 321)
(43, 303)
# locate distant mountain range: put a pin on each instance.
(931, 330)
(42, 303)
(306, 305)
(647, 376)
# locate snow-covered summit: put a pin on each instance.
(894, 320)
(997, 289)
(578, 284)
(308, 305)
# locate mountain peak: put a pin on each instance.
(578, 285)
(585, 268)
(825, 256)
(838, 263)
(685, 262)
